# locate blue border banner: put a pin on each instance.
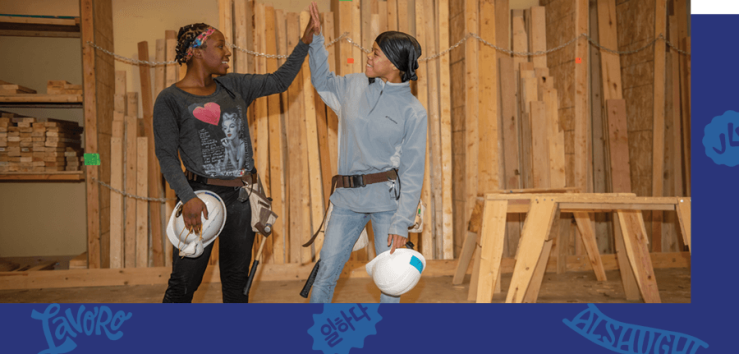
(705, 325)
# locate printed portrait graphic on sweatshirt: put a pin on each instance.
(222, 139)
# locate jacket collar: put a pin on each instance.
(392, 88)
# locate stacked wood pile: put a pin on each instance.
(29, 144)
(7, 89)
(61, 87)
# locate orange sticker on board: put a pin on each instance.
(578, 60)
(350, 60)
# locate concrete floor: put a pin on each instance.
(572, 287)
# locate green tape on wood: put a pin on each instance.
(92, 159)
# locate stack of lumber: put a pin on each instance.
(9, 89)
(28, 144)
(61, 87)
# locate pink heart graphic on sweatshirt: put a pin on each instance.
(210, 114)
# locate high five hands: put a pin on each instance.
(314, 26)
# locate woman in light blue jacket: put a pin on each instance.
(382, 147)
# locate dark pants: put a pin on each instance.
(234, 255)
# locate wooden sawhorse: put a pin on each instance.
(541, 227)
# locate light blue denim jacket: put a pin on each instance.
(382, 126)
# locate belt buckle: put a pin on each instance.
(359, 180)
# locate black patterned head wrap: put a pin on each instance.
(402, 50)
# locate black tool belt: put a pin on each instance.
(237, 182)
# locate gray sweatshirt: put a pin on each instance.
(211, 132)
(382, 126)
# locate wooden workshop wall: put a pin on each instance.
(62, 205)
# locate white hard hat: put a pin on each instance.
(192, 244)
(396, 274)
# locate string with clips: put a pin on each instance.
(345, 37)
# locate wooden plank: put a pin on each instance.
(116, 199)
(427, 243)
(159, 79)
(392, 15)
(331, 117)
(610, 63)
(48, 265)
(684, 215)
(635, 239)
(510, 133)
(79, 262)
(538, 36)
(314, 167)
(527, 94)
(225, 20)
(532, 293)
(300, 224)
(686, 127)
(658, 130)
(520, 38)
(261, 105)
(356, 35)
(582, 143)
(423, 97)
(555, 140)
(492, 236)
(343, 24)
(539, 147)
(239, 58)
(621, 182)
(619, 145)
(382, 11)
(142, 221)
(154, 173)
(434, 130)
(464, 258)
(584, 224)
(274, 249)
(130, 187)
(445, 121)
(171, 70)
(488, 163)
(600, 180)
(284, 249)
(502, 27)
(403, 25)
(535, 232)
(475, 278)
(674, 92)
(472, 101)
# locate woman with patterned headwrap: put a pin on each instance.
(382, 147)
(202, 118)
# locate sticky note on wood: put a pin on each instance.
(578, 60)
(92, 159)
(350, 60)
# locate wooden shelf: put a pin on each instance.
(61, 176)
(41, 101)
(39, 26)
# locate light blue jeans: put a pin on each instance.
(342, 232)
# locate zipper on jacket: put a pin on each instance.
(378, 101)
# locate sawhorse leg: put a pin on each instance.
(683, 214)
(492, 237)
(635, 240)
(591, 245)
(532, 293)
(535, 232)
(628, 278)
